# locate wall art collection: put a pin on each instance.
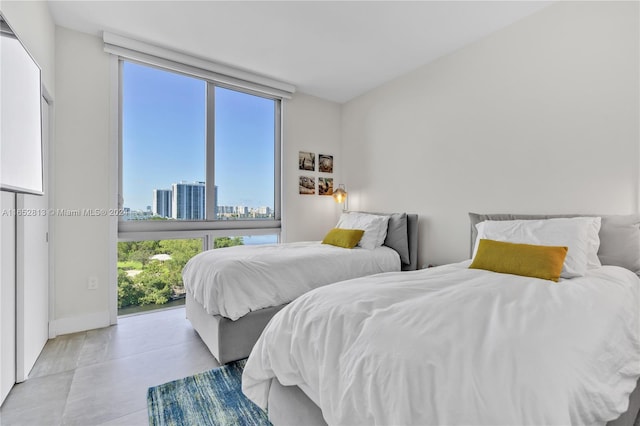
(307, 182)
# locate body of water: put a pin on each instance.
(260, 239)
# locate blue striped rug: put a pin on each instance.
(211, 398)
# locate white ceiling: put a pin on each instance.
(335, 50)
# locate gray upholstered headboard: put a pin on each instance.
(399, 223)
(619, 235)
(412, 235)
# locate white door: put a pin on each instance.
(32, 268)
(7, 293)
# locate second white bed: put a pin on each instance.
(408, 348)
(238, 280)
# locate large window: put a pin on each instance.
(195, 151)
(199, 169)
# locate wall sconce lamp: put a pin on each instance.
(340, 195)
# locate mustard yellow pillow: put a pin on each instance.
(347, 238)
(520, 259)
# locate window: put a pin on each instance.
(199, 170)
(198, 165)
(163, 144)
(195, 154)
(244, 155)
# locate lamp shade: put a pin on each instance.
(340, 195)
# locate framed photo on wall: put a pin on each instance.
(306, 160)
(325, 163)
(325, 186)
(307, 185)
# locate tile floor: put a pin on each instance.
(101, 377)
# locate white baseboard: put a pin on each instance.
(80, 323)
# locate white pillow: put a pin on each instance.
(373, 225)
(593, 234)
(579, 234)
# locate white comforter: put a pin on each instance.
(234, 281)
(451, 345)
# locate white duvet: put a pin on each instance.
(234, 281)
(451, 345)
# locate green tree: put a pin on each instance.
(141, 255)
(159, 281)
(129, 293)
(181, 250)
(155, 282)
(227, 242)
(124, 248)
(139, 251)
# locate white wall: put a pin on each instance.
(540, 117)
(311, 125)
(81, 181)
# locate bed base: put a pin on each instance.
(226, 339)
(289, 405)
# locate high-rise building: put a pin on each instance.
(215, 202)
(162, 202)
(263, 211)
(188, 200)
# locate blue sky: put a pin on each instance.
(164, 138)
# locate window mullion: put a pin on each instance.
(277, 169)
(210, 194)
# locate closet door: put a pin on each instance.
(7, 294)
(32, 284)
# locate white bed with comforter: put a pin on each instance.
(454, 345)
(231, 293)
(237, 280)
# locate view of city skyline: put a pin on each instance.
(164, 128)
(186, 201)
